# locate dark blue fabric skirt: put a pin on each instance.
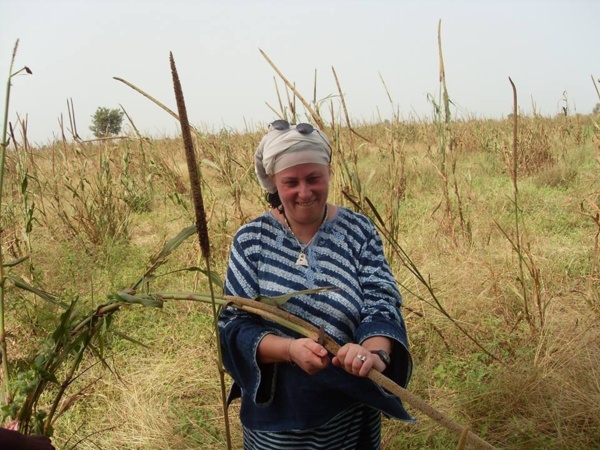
(356, 428)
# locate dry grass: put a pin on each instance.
(541, 392)
(168, 396)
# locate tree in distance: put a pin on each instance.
(106, 122)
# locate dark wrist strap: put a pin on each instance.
(383, 355)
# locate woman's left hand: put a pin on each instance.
(357, 360)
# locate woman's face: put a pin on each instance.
(303, 190)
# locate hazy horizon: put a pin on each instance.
(76, 48)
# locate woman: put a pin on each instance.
(294, 394)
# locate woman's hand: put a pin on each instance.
(308, 355)
(357, 360)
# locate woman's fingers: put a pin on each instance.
(309, 355)
(354, 359)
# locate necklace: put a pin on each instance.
(302, 260)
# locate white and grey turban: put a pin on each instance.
(281, 149)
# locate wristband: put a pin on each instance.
(383, 355)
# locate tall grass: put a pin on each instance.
(5, 393)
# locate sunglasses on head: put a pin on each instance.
(302, 128)
(282, 125)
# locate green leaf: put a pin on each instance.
(130, 339)
(42, 294)
(169, 247)
(176, 241)
(63, 330)
(214, 276)
(24, 184)
(48, 376)
(15, 262)
(142, 299)
(39, 361)
(209, 163)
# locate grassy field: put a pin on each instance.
(495, 249)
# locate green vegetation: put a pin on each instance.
(106, 122)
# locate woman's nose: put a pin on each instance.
(304, 190)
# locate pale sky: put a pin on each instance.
(549, 48)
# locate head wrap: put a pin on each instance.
(282, 149)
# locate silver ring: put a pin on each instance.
(363, 358)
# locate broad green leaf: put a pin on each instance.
(176, 241)
(169, 247)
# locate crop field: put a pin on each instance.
(491, 227)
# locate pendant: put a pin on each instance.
(302, 261)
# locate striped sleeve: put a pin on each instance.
(240, 333)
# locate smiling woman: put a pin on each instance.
(294, 393)
(303, 193)
(298, 183)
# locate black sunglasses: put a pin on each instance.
(302, 128)
(282, 125)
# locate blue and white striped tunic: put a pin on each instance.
(279, 400)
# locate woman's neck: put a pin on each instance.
(303, 232)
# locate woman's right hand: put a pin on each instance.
(308, 355)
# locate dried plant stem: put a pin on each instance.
(315, 88)
(344, 108)
(595, 86)
(463, 439)
(514, 143)
(137, 132)
(346, 115)
(65, 384)
(515, 184)
(156, 102)
(312, 112)
(446, 99)
(201, 225)
(278, 114)
(282, 114)
(149, 97)
(5, 390)
(444, 146)
(72, 121)
(396, 171)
